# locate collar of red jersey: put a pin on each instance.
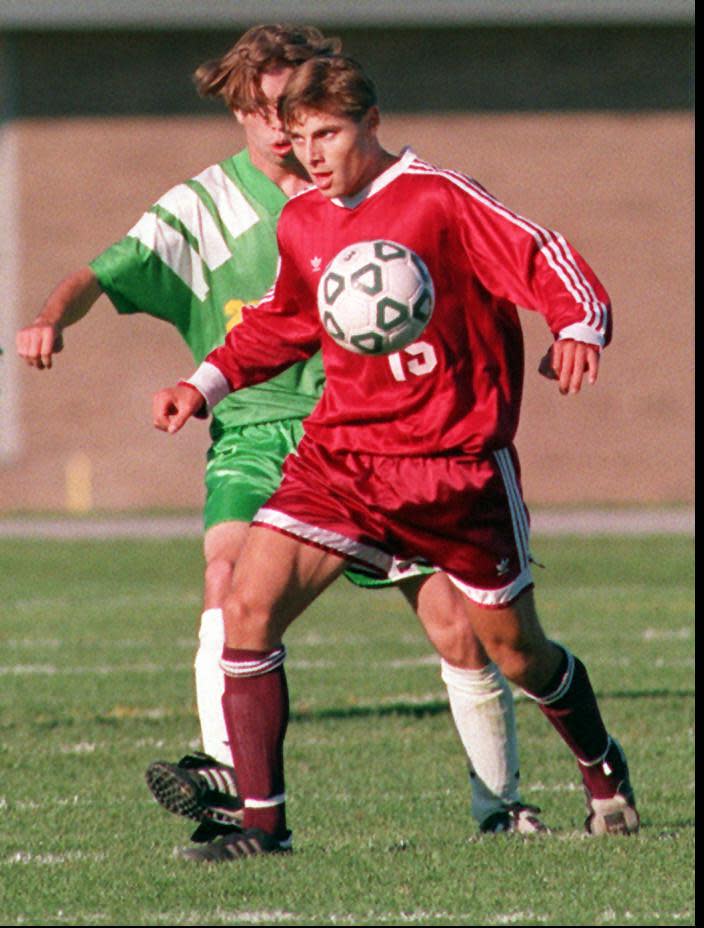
(383, 180)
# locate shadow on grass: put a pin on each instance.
(422, 709)
(412, 710)
(440, 706)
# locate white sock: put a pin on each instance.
(210, 685)
(482, 708)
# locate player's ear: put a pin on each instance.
(239, 116)
(373, 118)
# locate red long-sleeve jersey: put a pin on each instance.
(458, 388)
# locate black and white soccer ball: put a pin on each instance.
(375, 297)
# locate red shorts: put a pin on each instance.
(462, 515)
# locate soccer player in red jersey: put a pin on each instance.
(408, 455)
(206, 248)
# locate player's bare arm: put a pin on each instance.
(68, 302)
(568, 362)
(172, 407)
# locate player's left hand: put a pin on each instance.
(568, 362)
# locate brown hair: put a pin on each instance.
(334, 84)
(236, 76)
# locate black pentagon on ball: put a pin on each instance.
(367, 279)
(420, 267)
(332, 327)
(390, 313)
(333, 286)
(423, 306)
(368, 342)
(387, 251)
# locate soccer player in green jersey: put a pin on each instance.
(201, 252)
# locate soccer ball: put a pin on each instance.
(375, 297)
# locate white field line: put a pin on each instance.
(671, 521)
(103, 670)
(49, 670)
(684, 633)
(97, 670)
(279, 917)
(47, 859)
(36, 805)
(142, 600)
(529, 789)
(668, 634)
(127, 644)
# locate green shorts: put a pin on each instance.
(374, 582)
(244, 468)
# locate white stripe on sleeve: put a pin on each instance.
(235, 211)
(173, 249)
(184, 203)
(211, 383)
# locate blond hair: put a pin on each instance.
(236, 76)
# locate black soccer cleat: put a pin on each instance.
(198, 787)
(516, 818)
(250, 843)
(617, 814)
(209, 830)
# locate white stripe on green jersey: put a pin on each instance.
(187, 207)
(201, 252)
(161, 238)
(235, 211)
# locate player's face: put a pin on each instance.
(268, 144)
(340, 155)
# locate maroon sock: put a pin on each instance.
(255, 705)
(569, 703)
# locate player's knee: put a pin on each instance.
(516, 642)
(218, 579)
(516, 665)
(248, 621)
(461, 648)
(521, 660)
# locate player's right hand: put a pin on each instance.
(174, 406)
(38, 343)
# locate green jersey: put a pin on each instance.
(195, 258)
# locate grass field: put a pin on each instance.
(95, 676)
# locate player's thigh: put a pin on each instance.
(444, 613)
(224, 541)
(276, 578)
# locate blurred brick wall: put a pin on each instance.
(619, 187)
